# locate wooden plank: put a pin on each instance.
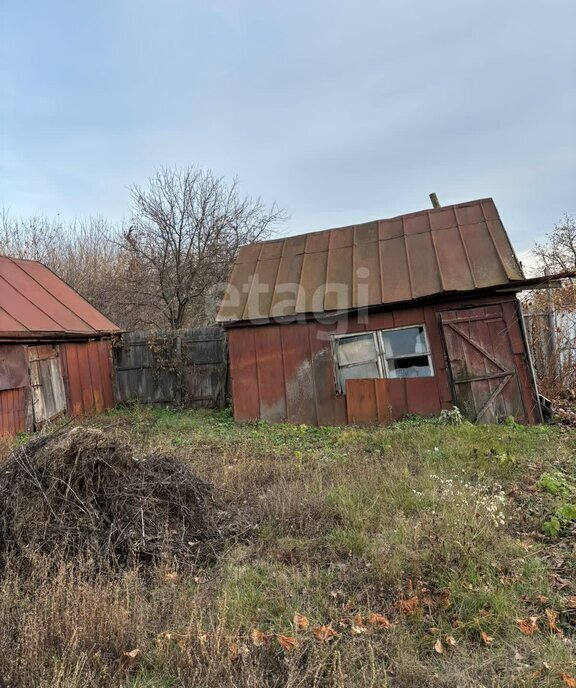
(398, 397)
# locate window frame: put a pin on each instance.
(381, 358)
(427, 353)
(341, 388)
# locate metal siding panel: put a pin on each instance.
(452, 260)
(394, 271)
(366, 233)
(339, 279)
(268, 347)
(297, 359)
(74, 386)
(9, 324)
(13, 367)
(330, 406)
(361, 405)
(368, 401)
(398, 399)
(244, 374)
(20, 280)
(366, 280)
(341, 238)
(312, 283)
(12, 411)
(423, 265)
(95, 375)
(236, 295)
(105, 354)
(261, 290)
(317, 242)
(505, 250)
(486, 265)
(31, 317)
(422, 396)
(287, 285)
(85, 380)
(66, 295)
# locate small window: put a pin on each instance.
(406, 352)
(398, 353)
(357, 356)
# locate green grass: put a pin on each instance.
(345, 521)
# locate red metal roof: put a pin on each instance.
(454, 248)
(35, 302)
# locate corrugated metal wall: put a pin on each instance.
(86, 369)
(286, 371)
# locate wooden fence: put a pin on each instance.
(187, 368)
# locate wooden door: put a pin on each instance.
(48, 392)
(482, 364)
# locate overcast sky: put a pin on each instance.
(340, 111)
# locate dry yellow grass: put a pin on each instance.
(349, 526)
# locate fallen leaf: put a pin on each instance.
(171, 576)
(287, 643)
(568, 680)
(301, 622)
(438, 647)
(324, 634)
(181, 643)
(358, 626)
(559, 582)
(257, 637)
(552, 616)
(379, 620)
(132, 654)
(233, 652)
(542, 599)
(571, 602)
(486, 639)
(451, 640)
(408, 606)
(529, 625)
(445, 599)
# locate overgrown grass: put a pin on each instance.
(437, 528)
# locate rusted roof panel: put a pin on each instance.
(34, 301)
(450, 249)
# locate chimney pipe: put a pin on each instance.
(435, 201)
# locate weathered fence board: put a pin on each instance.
(188, 368)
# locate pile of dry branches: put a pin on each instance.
(81, 493)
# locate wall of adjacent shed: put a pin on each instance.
(86, 371)
(286, 371)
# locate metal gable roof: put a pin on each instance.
(448, 249)
(35, 302)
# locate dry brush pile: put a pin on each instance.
(81, 493)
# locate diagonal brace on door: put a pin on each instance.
(479, 348)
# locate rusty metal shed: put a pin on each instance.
(371, 322)
(55, 349)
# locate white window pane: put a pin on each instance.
(410, 340)
(358, 372)
(356, 349)
(413, 366)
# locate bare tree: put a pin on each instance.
(558, 252)
(34, 237)
(186, 228)
(86, 254)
